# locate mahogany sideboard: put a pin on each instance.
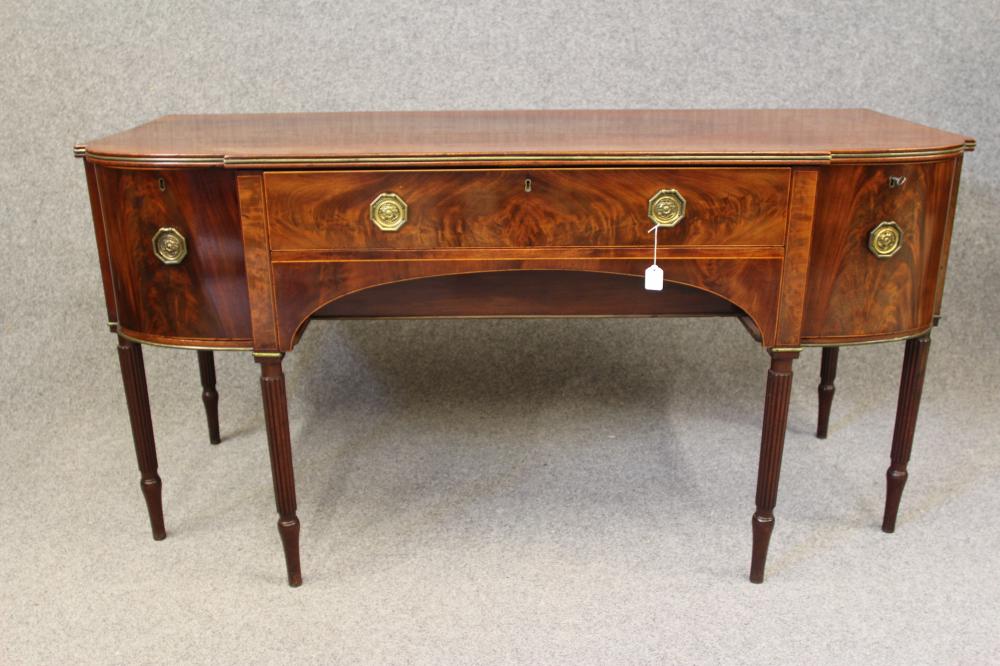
(814, 227)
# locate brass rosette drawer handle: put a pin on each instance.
(885, 239)
(388, 211)
(169, 246)
(667, 208)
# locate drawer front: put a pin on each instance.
(520, 208)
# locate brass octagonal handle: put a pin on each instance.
(169, 246)
(885, 239)
(666, 208)
(388, 211)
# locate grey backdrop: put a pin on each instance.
(551, 491)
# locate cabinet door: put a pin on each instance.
(853, 294)
(203, 296)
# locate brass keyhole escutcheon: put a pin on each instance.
(388, 211)
(169, 246)
(667, 208)
(885, 239)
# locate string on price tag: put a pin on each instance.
(654, 274)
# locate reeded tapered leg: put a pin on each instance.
(827, 375)
(137, 399)
(772, 441)
(206, 367)
(272, 385)
(911, 385)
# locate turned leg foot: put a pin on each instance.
(763, 525)
(911, 385)
(206, 368)
(137, 399)
(288, 530)
(152, 493)
(272, 384)
(827, 375)
(772, 442)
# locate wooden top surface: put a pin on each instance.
(714, 135)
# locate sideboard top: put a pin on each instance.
(517, 137)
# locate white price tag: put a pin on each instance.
(654, 278)
(654, 274)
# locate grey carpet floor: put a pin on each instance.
(507, 492)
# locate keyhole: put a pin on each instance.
(163, 185)
(527, 184)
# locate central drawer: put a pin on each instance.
(521, 208)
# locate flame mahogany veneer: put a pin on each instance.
(523, 213)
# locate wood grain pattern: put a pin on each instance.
(137, 399)
(279, 446)
(772, 443)
(258, 261)
(827, 377)
(911, 386)
(491, 208)
(304, 287)
(206, 295)
(851, 292)
(526, 136)
(795, 268)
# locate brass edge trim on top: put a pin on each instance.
(227, 161)
(79, 150)
(158, 160)
(970, 145)
(268, 354)
(445, 159)
(785, 349)
(849, 343)
(902, 154)
(178, 345)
